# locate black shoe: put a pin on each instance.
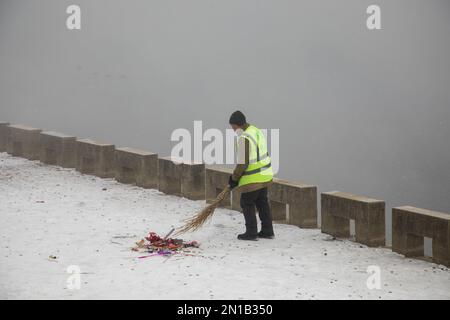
(246, 236)
(266, 235)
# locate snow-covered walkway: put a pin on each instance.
(92, 223)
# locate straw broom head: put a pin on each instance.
(196, 222)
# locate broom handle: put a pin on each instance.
(170, 232)
(220, 197)
(223, 193)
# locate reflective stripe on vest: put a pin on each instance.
(257, 170)
(258, 158)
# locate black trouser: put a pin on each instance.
(250, 201)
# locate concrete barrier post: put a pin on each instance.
(278, 201)
(24, 142)
(300, 199)
(139, 167)
(338, 208)
(58, 149)
(409, 227)
(193, 180)
(279, 211)
(95, 158)
(333, 224)
(169, 175)
(236, 199)
(216, 179)
(4, 134)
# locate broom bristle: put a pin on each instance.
(195, 222)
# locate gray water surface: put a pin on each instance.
(358, 111)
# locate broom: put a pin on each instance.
(195, 222)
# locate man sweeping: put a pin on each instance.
(252, 175)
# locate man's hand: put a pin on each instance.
(232, 183)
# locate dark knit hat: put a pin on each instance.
(238, 118)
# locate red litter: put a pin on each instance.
(157, 246)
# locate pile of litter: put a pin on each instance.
(157, 246)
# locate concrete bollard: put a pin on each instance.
(4, 134)
(216, 179)
(182, 178)
(95, 158)
(24, 142)
(236, 199)
(300, 199)
(58, 149)
(278, 201)
(409, 227)
(338, 208)
(193, 180)
(139, 167)
(279, 211)
(169, 175)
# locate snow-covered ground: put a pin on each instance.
(92, 223)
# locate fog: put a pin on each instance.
(360, 111)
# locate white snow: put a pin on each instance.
(47, 210)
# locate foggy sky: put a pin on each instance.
(358, 111)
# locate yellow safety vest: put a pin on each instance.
(259, 169)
